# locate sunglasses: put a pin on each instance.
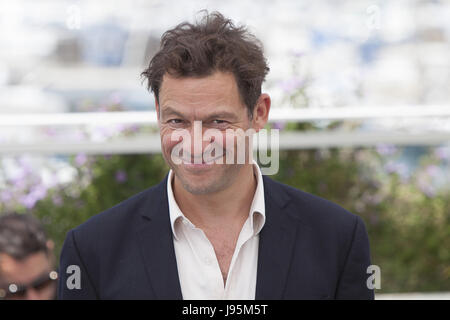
(19, 291)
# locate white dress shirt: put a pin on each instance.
(198, 267)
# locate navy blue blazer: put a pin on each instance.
(309, 248)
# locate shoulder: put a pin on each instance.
(312, 210)
(121, 216)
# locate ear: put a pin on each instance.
(50, 245)
(261, 112)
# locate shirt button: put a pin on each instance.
(208, 261)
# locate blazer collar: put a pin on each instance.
(156, 244)
(276, 243)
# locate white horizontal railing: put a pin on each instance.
(276, 114)
(150, 143)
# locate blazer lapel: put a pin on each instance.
(276, 244)
(156, 243)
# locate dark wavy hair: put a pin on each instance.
(21, 235)
(212, 44)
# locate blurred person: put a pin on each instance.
(214, 230)
(26, 259)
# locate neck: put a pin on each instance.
(215, 209)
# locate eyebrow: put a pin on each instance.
(170, 111)
(167, 111)
(222, 115)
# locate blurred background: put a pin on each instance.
(360, 93)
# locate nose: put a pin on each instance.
(197, 142)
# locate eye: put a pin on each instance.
(175, 121)
(220, 123)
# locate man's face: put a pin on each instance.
(215, 101)
(25, 272)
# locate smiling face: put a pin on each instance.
(215, 101)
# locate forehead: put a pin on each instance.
(217, 89)
(23, 271)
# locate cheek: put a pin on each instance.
(230, 142)
(167, 142)
(48, 292)
(220, 141)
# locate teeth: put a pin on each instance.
(193, 161)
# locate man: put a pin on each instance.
(215, 229)
(26, 260)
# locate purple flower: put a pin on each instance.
(279, 125)
(19, 181)
(115, 98)
(51, 132)
(398, 168)
(80, 159)
(432, 170)
(75, 136)
(442, 153)
(6, 196)
(121, 176)
(426, 187)
(26, 165)
(102, 133)
(133, 128)
(121, 128)
(40, 191)
(28, 201)
(386, 149)
(37, 193)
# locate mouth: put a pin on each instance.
(198, 163)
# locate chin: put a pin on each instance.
(200, 183)
(200, 187)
